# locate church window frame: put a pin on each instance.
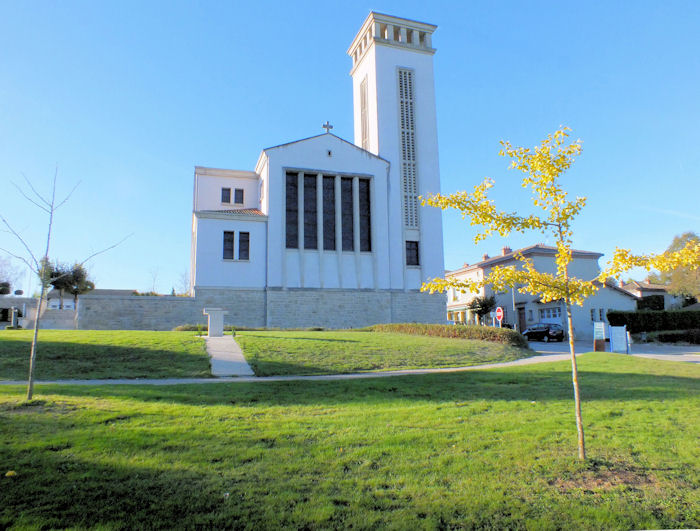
(238, 196)
(228, 244)
(328, 206)
(346, 214)
(244, 245)
(310, 199)
(412, 253)
(292, 210)
(365, 212)
(226, 195)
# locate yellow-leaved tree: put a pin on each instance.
(543, 166)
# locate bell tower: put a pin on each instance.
(395, 118)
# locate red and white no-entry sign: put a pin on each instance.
(499, 314)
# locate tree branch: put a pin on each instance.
(67, 197)
(18, 257)
(42, 207)
(34, 190)
(24, 244)
(93, 255)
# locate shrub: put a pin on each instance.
(483, 333)
(651, 302)
(649, 321)
(675, 336)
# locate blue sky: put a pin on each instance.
(127, 97)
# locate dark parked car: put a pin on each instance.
(544, 332)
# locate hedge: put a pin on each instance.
(675, 336)
(649, 321)
(483, 333)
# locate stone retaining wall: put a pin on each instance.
(292, 308)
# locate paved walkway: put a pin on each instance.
(227, 357)
(543, 358)
(657, 351)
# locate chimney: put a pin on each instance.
(485, 257)
(506, 250)
(621, 283)
(466, 264)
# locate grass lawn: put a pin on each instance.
(489, 449)
(333, 352)
(82, 354)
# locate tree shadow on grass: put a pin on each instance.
(537, 385)
(53, 489)
(66, 360)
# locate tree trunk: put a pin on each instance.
(60, 299)
(577, 395)
(32, 355)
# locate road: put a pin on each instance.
(666, 352)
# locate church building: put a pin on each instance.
(327, 232)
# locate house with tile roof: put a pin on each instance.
(524, 310)
(646, 288)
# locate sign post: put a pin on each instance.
(599, 336)
(499, 315)
(618, 339)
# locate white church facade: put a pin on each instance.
(325, 232)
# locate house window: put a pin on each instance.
(348, 235)
(292, 211)
(365, 217)
(329, 213)
(550, 313)
(310, 219)
(592, 314)
(243, 245)
(225, 195)
(412, 253)
(228, 245)
(601, 315)
(237, 196)
(529, 315)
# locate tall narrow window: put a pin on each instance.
(292, 211)
(310, 219)
(243, 245)
(238, 196)
(407, 130)
(365, 217)
(412, 254)
(348, 236)
(228, 245)
(225, 195)
(329, 213)
(364, 124)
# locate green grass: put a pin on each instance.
(83, 354)
(485, 449)
(334, 352)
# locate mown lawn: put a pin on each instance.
(487, 449)
(83, 354)
(333, 352)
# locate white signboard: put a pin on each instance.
(618, 339)
(599, 330)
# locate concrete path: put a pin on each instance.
(657, 351)
(544, 358)
(319, 377)
(227, 357)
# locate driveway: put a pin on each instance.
(665, 352)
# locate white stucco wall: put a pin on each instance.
(211, 270)
(312, 268)
(209, 182)
(379, 66)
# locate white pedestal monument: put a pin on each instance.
(215, 320)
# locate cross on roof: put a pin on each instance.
(327, 126)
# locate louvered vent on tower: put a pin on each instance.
(407, 127)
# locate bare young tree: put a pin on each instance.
(40, 264)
